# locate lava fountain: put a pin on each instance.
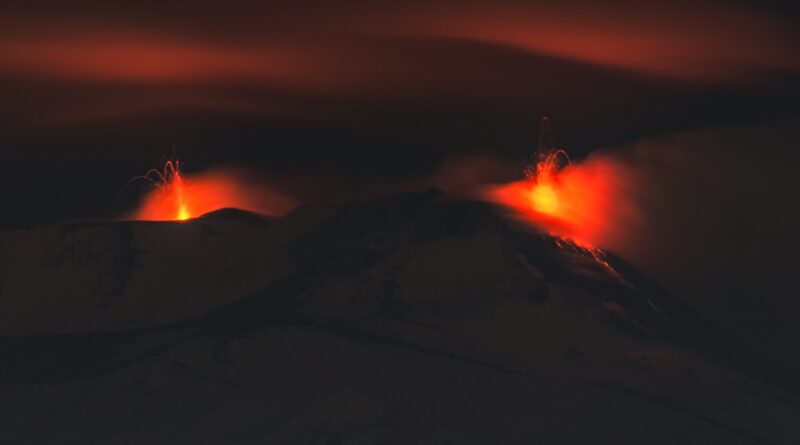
(576, 202)
(175, 196)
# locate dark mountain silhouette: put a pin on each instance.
(408, 319)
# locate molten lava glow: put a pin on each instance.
(175, 196)
(577, 203)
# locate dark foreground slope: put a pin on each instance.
(410, 319)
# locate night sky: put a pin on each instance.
(94, 93)
(329, 100)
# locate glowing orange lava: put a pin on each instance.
(576, 203)
(175, 196)
(167, 200)
(573, 202)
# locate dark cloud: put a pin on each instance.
(721, 226)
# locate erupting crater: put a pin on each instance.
(175, 196)
(575, 202)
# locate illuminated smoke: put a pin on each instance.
(582, 202)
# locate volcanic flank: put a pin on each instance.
(408, 319)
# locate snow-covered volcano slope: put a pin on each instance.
(411, 319)
(110, 276)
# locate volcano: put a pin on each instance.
(414, 318)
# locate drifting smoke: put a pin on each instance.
(176, 196)
(719, 227)
(719, 206)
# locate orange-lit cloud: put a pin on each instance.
(345, 47)
(146, 58)
(684, 40)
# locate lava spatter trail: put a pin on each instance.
(167, 199)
